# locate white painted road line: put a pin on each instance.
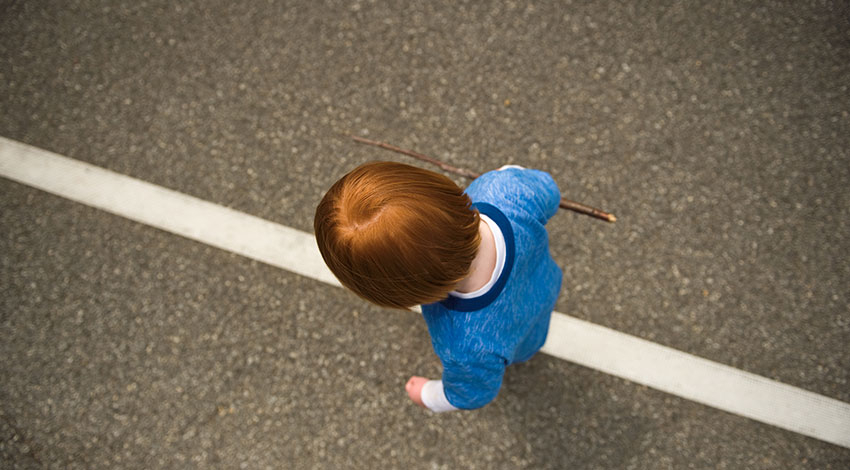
(698, 379)
(584, 343)
(165, 209)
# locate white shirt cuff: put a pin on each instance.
(505, 167)
(434, 397)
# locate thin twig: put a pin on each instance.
(410, 153)
(565, 203)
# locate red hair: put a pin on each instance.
(397, 235)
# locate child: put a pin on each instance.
(477, 261)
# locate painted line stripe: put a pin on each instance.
(575, 340)
(203, 221)
(700, 380)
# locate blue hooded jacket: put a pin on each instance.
(477, 338)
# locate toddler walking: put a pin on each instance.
(477, 261)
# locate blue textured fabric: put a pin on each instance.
(476, 340)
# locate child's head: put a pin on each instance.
(397, 235)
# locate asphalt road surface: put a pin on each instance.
(718, 133)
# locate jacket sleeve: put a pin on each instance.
(474, 383)
(536, 192)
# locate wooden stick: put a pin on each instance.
(565, 203)
(410, 153)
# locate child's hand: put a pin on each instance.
(414, 389)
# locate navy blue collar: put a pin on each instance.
(477, 303)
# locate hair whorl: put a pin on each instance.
(397, 235)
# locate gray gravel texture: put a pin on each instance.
(718, 133)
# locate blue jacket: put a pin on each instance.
(477, 338)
